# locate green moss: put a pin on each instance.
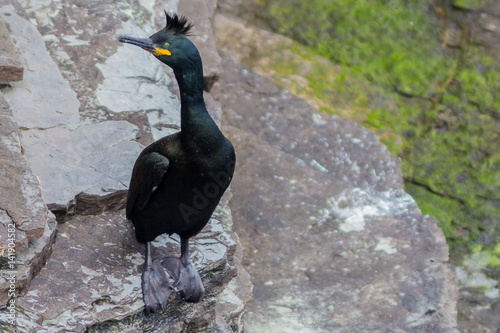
(469, 4)
(386, 42)
(439, 207)
(436, 108)
(480, 260)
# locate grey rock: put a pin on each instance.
(478, 313)
(30, 261)
(69, 162)
(200, 12)
(332, 242)
(93, 279)
(339, 148)
(484, 24)
(23, 210)
(478, 305)
(68, 155)
(128, 84)
(43, 99)
(232, 301)
(10, 64)
(20, 193)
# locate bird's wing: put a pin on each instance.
(148, 172)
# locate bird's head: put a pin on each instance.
(170, 45)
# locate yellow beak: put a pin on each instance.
(159, 52)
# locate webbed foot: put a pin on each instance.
(187, 279)
(155, 286)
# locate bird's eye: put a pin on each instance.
(166, 45)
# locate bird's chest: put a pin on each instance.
(192, 189)
(205, 169)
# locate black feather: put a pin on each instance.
(178, 25)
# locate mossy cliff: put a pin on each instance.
(411, 72)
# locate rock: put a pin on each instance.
(473, 22)
(479, 306)
(140, 87)
(10, 64)
(24, 217)
(232, 301)
(319, 203)
(201, 12)
(20, 195)
(237, 39)
(342, 149)
(68, 155)
(89, 204)
(278, 57)
(486, 28)
(69, 162)
(98, 256)
(43, 99)
(30, 261)
(84, 158)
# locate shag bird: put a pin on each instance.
(178, 181)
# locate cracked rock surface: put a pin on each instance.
(94, 276)
(23, 212)
(332, 242)
(80, 117)
(68, 155)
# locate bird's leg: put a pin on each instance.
(155, 285)
(187, 279)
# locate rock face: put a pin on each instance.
(85, 109)
(67, 155)
(479, 294)
(24, 217)
(333, 243)
(10, 65)
(98, 257)
(202, 12)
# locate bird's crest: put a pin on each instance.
(178, 25)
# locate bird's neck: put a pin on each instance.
(190, 83)
(195, 119)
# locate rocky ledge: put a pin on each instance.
(71, 131)
(331, 240)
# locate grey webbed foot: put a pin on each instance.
(155, 285)
(187, 279)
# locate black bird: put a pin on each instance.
(177, 181)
